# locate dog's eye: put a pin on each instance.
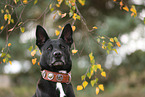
(50, 47)
(62, 47)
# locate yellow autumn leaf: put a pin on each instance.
(102, 37)
(5, 17)
(2, 11)
(126, 8)
(8, 21)
(103, 47)
(59, 13)
(63, 15)
(73, 28)
(25, 1)
(57, 5)
(82, 2)
(73, 4)
(57, 32)
(74, 16)
(99, 66)
(54, 16)
(101, 87)
(1, 27)
(132, 9)
(115, 51)
(59, 27)
(121, 4)
(10, 62)
(4, 60)
(79, 87)
(62, 28)
(85, 83)
(118, 44)
(38, 63)
(50, 6)
(103, 74)
(91, 56)
(7, 11)
(132, 14)
(35, 2)
(97, 90)
(40, 52)
(33, 52)
(92, 72)
(114, 0)
(74, 51)
(34, 61)
(60, 1)
(95, 27)
(111, 39)
(9, 44)
(12, 20)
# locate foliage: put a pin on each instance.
(107, 43)
(92, 71)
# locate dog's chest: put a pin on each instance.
(60, 88)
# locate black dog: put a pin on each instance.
(55, 63)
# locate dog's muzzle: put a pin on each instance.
(58, 59)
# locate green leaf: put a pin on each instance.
(92, 60)
(30, 48)
(103, 43)
(83, 77)
(8, 56)
(73, 8)
(22, 29)
(3, 54)
(9, 16)
(115, 38)
(91, 56)
(36, 47)
(7, 59)
(98, 40)
(51, 9)
(94, 67)
(35, 2)
(93, 82)
(12, 20)
(108, 51)
(71, 13)
(109, 46)
(144, 20)
(89, 75)
(78, 17)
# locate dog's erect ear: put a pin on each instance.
(41, 36)
(66, 34)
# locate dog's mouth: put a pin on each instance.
(58, 63)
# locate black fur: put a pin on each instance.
(55, 57)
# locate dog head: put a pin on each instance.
(55, 52)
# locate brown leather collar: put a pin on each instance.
(56, 77)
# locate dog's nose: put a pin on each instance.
(57, 54)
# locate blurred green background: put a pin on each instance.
(125, 70)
